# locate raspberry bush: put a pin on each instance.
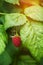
(24, 18)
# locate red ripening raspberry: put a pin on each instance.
(16, 41)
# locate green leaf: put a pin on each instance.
(1, 3)
(32, 38)
(5, 59)
(3, 34)
(34, 12)
(13, 1)
(25, 60)
(14, 19)
(1, 28)
(9, 8)
(2, 46)
(1, 19)
(3, 39)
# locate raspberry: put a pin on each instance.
(16, 41)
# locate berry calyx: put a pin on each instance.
(16, 40)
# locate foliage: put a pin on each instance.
(28, 24)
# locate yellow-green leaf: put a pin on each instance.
(13, 1)
(34, 12)
(14, 19)
(32, 38)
